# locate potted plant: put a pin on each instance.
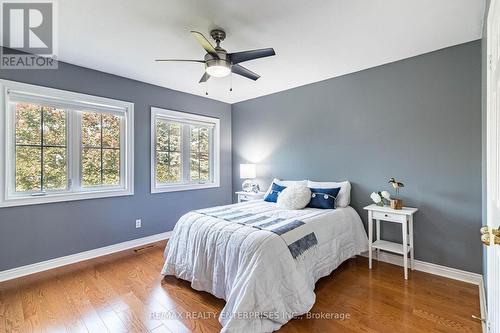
(396, 203)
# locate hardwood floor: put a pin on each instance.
(125, 293)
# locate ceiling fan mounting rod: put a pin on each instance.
(218, 35)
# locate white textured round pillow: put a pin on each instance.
(294, 197)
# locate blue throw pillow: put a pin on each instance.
(323, 198)
(275, 191)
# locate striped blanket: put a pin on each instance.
(293, 230)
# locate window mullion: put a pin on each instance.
(199, 156)
(101, 152)
(74, 134)
(123, 152)
(68, 148)
(154, 159)
(211, 156)
(11, 147)
(185, 152)
(42, 166)
(169, 153)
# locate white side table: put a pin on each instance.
(248, 196)
(403, 217)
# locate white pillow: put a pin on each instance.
(344, 196)
(294, 197)
(286, 183)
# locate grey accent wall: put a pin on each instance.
(418, 120)
(35, 233)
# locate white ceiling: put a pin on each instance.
(314, 40)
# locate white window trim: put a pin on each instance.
(77, 100)
(159, 188)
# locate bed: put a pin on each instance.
(264, 261)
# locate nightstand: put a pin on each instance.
(405, 218)
(248, 196)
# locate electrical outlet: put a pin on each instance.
(138, 223)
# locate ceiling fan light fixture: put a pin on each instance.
(218, 68)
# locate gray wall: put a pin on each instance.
(418, 120)
(31, 234)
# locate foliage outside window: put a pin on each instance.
(168, 152)
(62, 146)
(185, 151)
(41, 149)
(100, 149)
(199, 168)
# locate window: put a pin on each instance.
(61, 146)
(184, 151)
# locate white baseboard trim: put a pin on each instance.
(427, 267)
(18, 272)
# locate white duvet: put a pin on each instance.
(253, 270)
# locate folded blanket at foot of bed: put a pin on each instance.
(298, 242)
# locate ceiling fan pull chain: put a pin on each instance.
(231, 82)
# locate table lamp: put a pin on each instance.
(248, 172)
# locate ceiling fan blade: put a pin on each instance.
(205, 44)
(204, 78)
(240, 70)
(184, 60)
(238, 57)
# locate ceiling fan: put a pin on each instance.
(219, 63)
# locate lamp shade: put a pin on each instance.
(247, 171)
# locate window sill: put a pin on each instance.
(63, 197)
(183, 187)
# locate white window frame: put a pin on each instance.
(75, 102)
(215, 149)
